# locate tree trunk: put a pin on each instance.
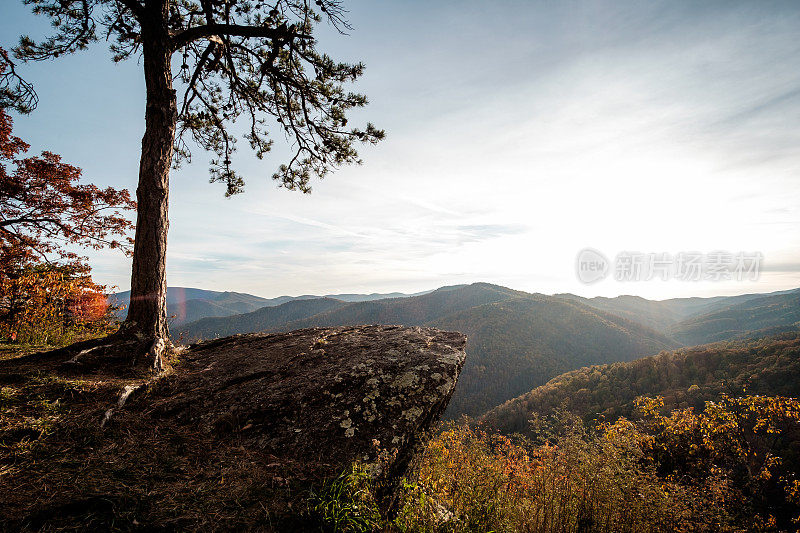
(147, 313)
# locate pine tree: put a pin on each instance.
(239, 59)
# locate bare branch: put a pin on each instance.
(15, 92)
(210, 30)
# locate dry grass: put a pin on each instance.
(60, 470)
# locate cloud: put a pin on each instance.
(479, 232)
(770, 106)
(518, 134)
(790, 268)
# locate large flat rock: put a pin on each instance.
(321, 397)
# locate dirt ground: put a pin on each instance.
(60, 470)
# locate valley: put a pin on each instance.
(517, 341)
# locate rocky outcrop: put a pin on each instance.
(242, 433)
(321, 398)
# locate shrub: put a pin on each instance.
(717, 470)
(52, 305)
(574, 481)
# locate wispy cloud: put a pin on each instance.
(518, 133)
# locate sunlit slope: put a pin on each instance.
(686, 377)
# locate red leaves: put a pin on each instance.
(46, 293)
(44, 208)
(9, 145)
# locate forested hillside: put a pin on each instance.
(521, 342)
(516, 340)
(738, 319)
(663, 315)
(685, 377)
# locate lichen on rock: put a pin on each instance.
(319, 397)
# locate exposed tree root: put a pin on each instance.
(123, 397)
(125, 353)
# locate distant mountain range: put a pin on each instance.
(517, 341)
(691, 321)
(186, 304)
(759, 315)
(673, 316)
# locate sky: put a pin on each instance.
(518, 134)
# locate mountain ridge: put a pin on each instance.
(502, 325)
(518, 341)
(188, 304)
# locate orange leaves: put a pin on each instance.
(718, 469)
(88, 306)
(492, 482)
(46, 294)
(731, 427)
(49, 304)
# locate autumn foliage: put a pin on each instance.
(47, 295)
(52, 305)
(729, 467)
(44, 209)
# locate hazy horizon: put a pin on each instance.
(517, 134)
(429, 290)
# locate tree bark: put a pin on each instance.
(147, 312)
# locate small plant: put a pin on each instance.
(346, 504)
(7, 395)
